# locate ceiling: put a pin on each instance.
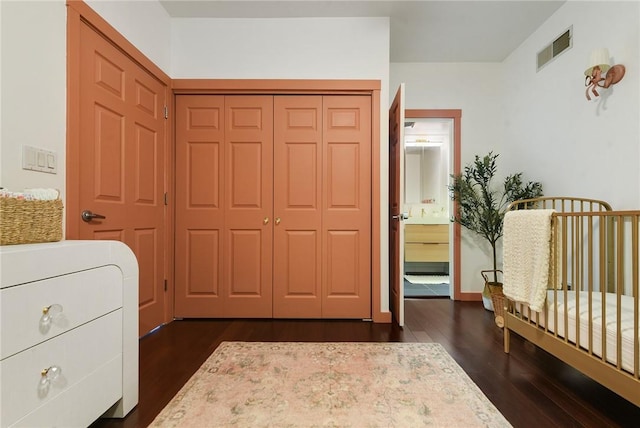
(421, 31)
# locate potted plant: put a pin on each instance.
(481, 207)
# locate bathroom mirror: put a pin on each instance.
(426, 176)
(423, 175)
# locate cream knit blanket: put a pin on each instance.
(526, 254)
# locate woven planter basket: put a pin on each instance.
(28, 222)
(494, 289)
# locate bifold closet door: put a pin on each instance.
(224, 175)
(248, 241)
(273, 206)
(346, 214)
(322, 207)
(297, 271)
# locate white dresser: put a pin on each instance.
(68, 333)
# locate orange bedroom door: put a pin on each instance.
(122, 164)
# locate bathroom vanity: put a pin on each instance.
(426, 243)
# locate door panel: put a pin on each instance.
(203, 269)
(346, 216)
(396, 228)
(297, 204)
(121, 162)
(343, 261)
(145, 244)
(200, 181)
(109, 145)
(248, 207)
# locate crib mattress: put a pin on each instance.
(579, 324)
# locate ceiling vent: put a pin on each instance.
(555, 48)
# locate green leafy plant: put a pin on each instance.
(481, 206)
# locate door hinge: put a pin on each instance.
(166, 112)
(165, 285)
(166, 198)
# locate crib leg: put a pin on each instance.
(506, 339)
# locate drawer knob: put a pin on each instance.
(50, 312)
(51, 373)
(48, 377)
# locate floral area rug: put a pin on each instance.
(294, 384)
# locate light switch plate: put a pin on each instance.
(36, 159)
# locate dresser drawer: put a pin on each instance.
(81, 296)
(417, 252)
(90, 360)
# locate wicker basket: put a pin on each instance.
(497, 296)
(28, 222)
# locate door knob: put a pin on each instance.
(277, 221)
(88, 216)
(265, 220)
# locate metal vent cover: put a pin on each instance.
(563, 42)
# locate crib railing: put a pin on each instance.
(561, 204)
(594, 269)
(595, 263)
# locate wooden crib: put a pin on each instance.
(593, 276)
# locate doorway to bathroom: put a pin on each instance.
(428, 149)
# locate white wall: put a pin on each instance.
(33, 76)
(291, 48)
(475, 89)
(298, 48)
(33, 89)
(146, 24)
(577, 147)
(541, 123)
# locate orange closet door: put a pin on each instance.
(200, 185)
(224, 203)
(346, 216)
(248, 201)
(322, 207)
(297, 270)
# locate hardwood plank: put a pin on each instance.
(529, 386)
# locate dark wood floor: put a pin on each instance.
(530, 387)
